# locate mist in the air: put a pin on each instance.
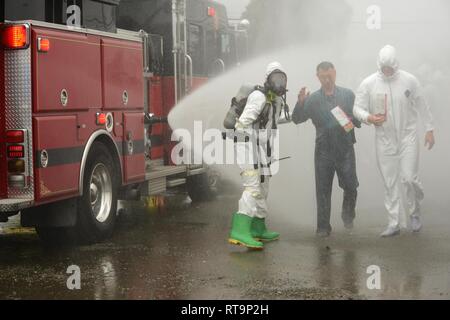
(300, 38)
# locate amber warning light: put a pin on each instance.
(14, 36)
(43, 45)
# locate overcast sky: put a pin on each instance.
(235, 7)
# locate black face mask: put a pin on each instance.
(277, 82)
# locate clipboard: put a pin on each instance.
(343, 119)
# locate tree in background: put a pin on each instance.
(275, 24)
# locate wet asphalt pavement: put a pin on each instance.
(178, 250)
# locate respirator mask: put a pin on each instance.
(277, 82)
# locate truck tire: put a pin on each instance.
(97, 206)
(199, 187)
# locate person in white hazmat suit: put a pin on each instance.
(256, 130)
(392, 100)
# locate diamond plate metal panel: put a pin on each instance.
(18, 109)
(11, 205)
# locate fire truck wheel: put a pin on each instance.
(199, 187)
(97, 206)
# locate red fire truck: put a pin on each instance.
(85, 90)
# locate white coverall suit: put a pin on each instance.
(255, 165)
(397, 145)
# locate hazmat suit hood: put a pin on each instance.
(276, 78)
(388, 58)
(271, 67)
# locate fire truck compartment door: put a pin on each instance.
(133, 147)
(57, 157)
(68, 76)
(123, 81)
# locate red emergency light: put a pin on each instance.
(211, 11)
(15, 136)
(16, 151)
(15, 36)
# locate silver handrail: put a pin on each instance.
(146, 67)
(185, 49)
(217, 61)
(175, 47)
(145, 38)
(191, 74)
(221, 62)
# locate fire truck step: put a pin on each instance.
(156, 186)
(164, 171)
(9, 205)
(175, 182)
(193, 172)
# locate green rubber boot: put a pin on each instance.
(240, 232)
(259, 231)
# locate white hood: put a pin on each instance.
(388, 58)
(271, 67)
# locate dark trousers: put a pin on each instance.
(327, 163)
